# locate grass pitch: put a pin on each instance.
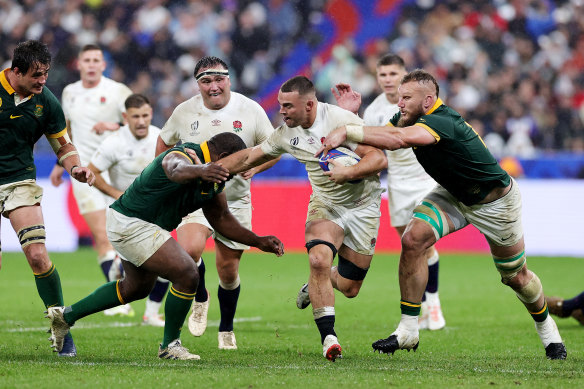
(489, 339)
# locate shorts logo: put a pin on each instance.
(194, 128)
(237, 126)
(294, 141)
(38, 111)
(215, 122)
(373, 242)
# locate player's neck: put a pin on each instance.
(88, 84)
(392, 98)
(11, 78)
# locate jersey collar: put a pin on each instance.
(437, 104)
(206, 153)
(4, 81)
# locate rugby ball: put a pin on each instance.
(343, 155)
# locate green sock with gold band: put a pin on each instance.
(49, 287)
(104, 297)
(176, 309)
(540, 315)
(409, 308)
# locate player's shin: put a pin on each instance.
(104, 297)
(49, 287)
(228, 295)
(176, 308)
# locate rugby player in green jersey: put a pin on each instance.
(138, 225)
(27, 111)
(472, 189)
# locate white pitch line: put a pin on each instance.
(88, 326)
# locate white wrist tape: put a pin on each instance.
(355, 133)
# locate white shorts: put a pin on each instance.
(242, 214)
(360, 224)
(19, 194)
(89, 198)
(134, 239)
(499, 220)
(404, 193)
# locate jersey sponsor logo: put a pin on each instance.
(237, 126)
(215, 122)
(194, 128)
(15, 116)
(38, 111)
(294, 141)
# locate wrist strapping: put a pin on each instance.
(355, 133)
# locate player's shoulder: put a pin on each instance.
(73, 87)
(333, 112)
(244, 103)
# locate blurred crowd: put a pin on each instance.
(513, 68)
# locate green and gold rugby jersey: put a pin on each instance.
(154, 198)
(459, 160)
(21, 126)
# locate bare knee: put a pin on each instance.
(351, 290)
(186, 278)
(414, 244)
(37, 257)
(132, 290)
(319, 261)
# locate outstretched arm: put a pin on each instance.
(180, 168)
(217, 213)
(245, 159)
(383, 137)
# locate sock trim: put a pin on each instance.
(182, 295)
(118, 292)
(47, 273)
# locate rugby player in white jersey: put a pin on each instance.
(93, 109)
(407, 182)
(217, 109)
(123, 156)
(342, 217)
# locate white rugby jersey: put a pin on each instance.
(191, 121)
(401, 162)
(124, 156)
(302, 143)
(84, 107)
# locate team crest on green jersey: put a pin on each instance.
(38, 111)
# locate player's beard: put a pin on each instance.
(412, 118)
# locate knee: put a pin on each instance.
(132, 291)
(37, 257)
(319, 261)
(351, 290)
(194, 249)
(187, 279)
(413, 242)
